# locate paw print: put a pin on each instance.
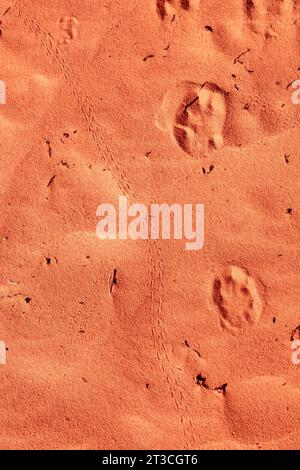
(237, 298)
(256, 23)
(200, 118)
(250, 99)
(257, 36)
(68, 29)
(168, 9)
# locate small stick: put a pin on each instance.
(112, 280)
(237, 59)
(190, 104)
(51, 181)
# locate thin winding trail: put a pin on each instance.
(156, 267)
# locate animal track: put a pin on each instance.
(237, 298)
(198, 119)
(167, 8)
(156, 260)
(254, 34)
(257, 22)
(69, 29)
(268, 18)
(265, 17)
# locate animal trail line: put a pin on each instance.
(89, 117)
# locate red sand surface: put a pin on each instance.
(161, 101)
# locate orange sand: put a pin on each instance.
(189, 349)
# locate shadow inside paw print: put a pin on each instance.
(194, 116)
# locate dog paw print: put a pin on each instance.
(256, 34)
(269, 18)
(68, 26)
(256, 24)
(197, 119)
(168, 8)
(200, 119)
(237, 298)
(247, 102)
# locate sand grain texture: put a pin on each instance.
(161, 101)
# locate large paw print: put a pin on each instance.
(250, 100)
(237, 298)
(68, 29)
(200, 118)
(255, 37)
(256, 24)
(194, 115)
